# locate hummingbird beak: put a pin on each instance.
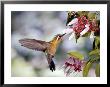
(63, 34)
(59, 37)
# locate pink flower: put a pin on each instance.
(72, 65)
(82, 21)
(94, 26)
(78, 27)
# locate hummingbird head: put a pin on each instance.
(58, 37)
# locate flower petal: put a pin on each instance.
(85, 30)
(72, 36)
(67, 31)
(74, 21)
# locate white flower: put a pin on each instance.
(72, 35)
(73, 23)
(68, 31)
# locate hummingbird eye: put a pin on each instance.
(58, 37)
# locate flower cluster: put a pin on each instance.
(72, 64)
(94, 26)
(80, 25)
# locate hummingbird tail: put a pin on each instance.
(51, 62)
(52, 66)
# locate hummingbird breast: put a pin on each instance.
(52, 49)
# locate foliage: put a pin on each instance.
(87, 67)
(97, 70)
(76, 55)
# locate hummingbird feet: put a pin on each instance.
(52, 66)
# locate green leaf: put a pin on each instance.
(86, 68)
(97, 70)
(92, 16)
(86, 34)
(82, 13)
(76, 54)
(94, 52)
(95, 58)
(97, 42)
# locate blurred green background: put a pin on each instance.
(42, 25)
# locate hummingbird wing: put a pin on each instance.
(34, 44)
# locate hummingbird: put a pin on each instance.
(49, 48)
